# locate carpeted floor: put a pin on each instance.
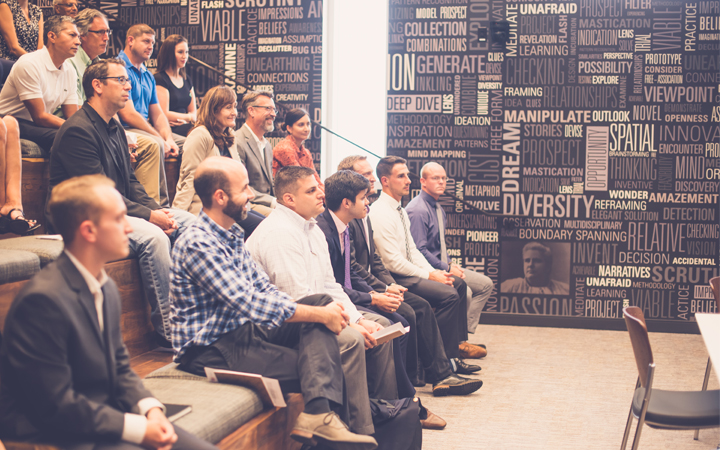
(552, 388)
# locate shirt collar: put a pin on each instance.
(94, 284)
(122, 55)
(49, 65)
(338, 223)
(295, 218)
(260, 143)
(235, 231)
(83, 56)
(428, 198)
(389, 200)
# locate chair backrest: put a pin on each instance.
(637, 329)
(715, 285)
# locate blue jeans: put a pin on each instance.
(152, 247)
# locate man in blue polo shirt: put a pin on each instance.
(143, 115)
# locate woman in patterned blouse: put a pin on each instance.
(21, 25)
(290, 151)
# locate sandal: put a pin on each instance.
(19, 225)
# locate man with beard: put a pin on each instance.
(255, 151)
(227, 314)
(92, 141)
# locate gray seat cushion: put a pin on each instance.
(17, 265)
(47, 250)
(29, 149)
(217, 409)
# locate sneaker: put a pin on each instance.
(463, 368)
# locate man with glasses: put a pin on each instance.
(143, 115)
(65, 8)
(95, 34)
(255, 151)
(427, 226)
(91, 142)
(42, 81)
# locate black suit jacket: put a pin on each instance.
(367, 263)
(63, 380)
(85, 144)
(359, 294)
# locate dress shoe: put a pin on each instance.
(433, 422)
(456, 385)
(470, 351)
(463, 368)
(328, 429)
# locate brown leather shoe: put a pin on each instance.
(470, 351)
(433, 422)
(328, 429)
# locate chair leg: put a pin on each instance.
(638, 431)
(628, 425)
(704, 388)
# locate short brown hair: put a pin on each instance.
(385, 166)
(97, 71)
(287, 177)
(250, 99)
(348, 163)
(138, 30)
(74, 201)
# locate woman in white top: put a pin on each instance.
(213, 135)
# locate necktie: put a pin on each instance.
(346, 240)
(405, 230)
(441, 226)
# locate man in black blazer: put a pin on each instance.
(66, 378)
(369, 266)
(346, 199)
(92, 141)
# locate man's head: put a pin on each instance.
(65, 8)
(347, 191)
(394, 176)
(61, 36)
(139, 42)
(537, 263)
(433, 179)
(361, 165)
(223, 187)
(259, 110)
(88, 212)
(106, 82)
(297, 188)
(94, 32)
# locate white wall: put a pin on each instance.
(355, 47)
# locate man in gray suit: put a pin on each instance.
(255, 151)
(66, 376)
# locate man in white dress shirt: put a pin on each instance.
(292, 250)
(394, 242)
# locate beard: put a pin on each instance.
(235, 211)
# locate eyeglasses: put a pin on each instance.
(67, 5)
(269, 108)
(101, 32)
(121, 80)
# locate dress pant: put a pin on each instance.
(147, 170)
(185, 441)
(373, 368)
(450, 304)
(179, 140)
(430, 349)
(42, 136)
(303, 356)
(480, 287)
(152, 247)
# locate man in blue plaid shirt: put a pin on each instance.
(226, 314)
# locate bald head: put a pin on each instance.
(429, 168)
(215, 173)
(433, 179)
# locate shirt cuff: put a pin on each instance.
(149, 403)
(426, 274)
(134, 428)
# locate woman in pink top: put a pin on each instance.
(290, 151)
